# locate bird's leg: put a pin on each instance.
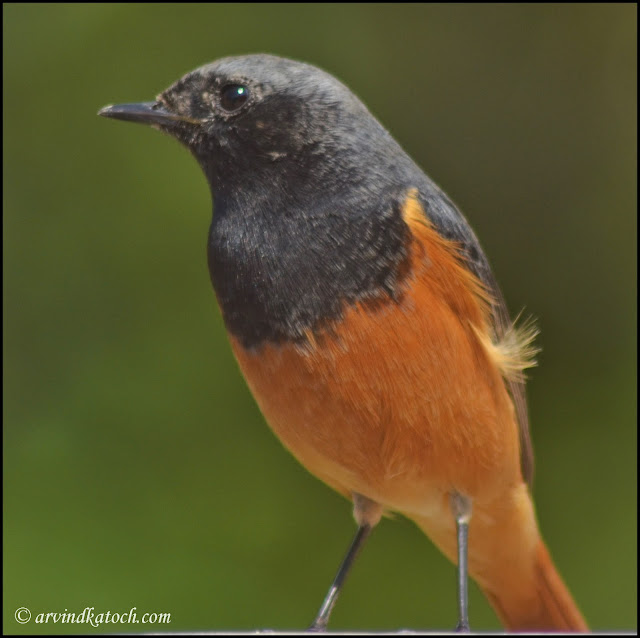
(461, 508)
(322, 619)
(367, 514)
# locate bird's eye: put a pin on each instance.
(233, 96)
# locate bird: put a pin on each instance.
(368, 324)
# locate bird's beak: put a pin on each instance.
(145, 113)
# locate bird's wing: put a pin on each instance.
(451, 224)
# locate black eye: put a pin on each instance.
(233, 96)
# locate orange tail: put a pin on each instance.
(510, 563)
(553, 607)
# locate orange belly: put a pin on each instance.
(400, 401)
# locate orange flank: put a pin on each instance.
(404, 401)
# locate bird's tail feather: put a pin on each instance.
(554, 607)
(510, 563)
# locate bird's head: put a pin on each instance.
(264, 117)
(308, 190)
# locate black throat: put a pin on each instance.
(286, 263)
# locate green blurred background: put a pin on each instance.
(138, 470)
